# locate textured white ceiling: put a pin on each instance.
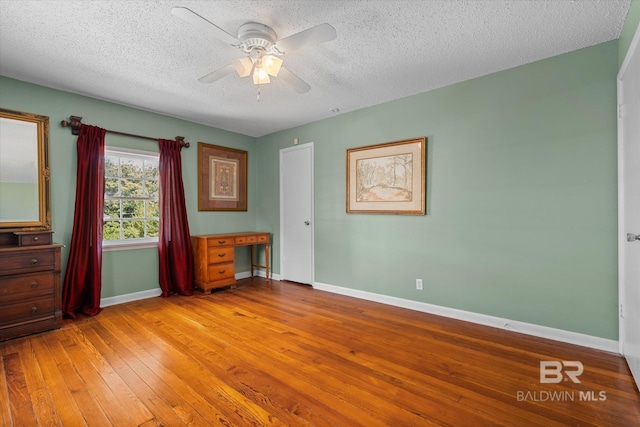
(138, 53)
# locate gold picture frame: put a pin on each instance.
(388, 178)
(222, 178)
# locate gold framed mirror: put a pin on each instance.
(24, 171)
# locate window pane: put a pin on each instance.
(153, 210)
(111, 209)
(152, 189)
(111, 230)
(132, 209)
(111, 166)
(111, 187)
(133, 229)
(152, 228)
(151, 170)
(131, 168)
(131, 188)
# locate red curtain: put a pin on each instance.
(174, 245)
(83, 277)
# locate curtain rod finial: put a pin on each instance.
(182, 142)
(75, 123)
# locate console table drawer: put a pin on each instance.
(244, 240)
(221, 241)
(221, 271)
(21, 285)
(218, 254)
(27, 310)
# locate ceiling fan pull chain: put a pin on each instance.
(258, 96)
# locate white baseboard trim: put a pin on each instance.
(243, 275)
(482, 319)
(135, 296)
(259, 272)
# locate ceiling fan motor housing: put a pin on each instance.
(254, 35)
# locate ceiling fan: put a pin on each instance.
(262, 47)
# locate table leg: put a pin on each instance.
(251, 250)
(266, 255)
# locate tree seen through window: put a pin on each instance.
(131, 196)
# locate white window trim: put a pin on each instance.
(120, 245)
(144, 243)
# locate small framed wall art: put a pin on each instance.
(387, 178)
(222, 178)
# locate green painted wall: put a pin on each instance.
(521, 219)
(628, 30)
(131, 270)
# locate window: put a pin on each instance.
(131, 192)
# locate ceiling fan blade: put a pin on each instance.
(190, 17)
(294, 81)
(217, 74)
(309, 37)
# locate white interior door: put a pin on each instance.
(296, 213)
(629, 205)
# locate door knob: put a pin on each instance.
(307, 223)
(632, 237)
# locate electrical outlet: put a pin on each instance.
(419, 284)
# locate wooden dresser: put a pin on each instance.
(214, 257)
(30, 291)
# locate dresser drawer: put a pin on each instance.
(220, 254)
(26, 285)
(27, 310)
(35, 238)
(26, 261)
(221, 271)
(263, 238)
(220, 241)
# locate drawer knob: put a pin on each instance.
(221, 242)
(34, 261)
(35, 239)
(34, 284)
(221, 255)
(34, 309)
(221, 271)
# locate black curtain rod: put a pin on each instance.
(75, 122)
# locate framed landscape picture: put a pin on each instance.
(387, 178)
(222, 178)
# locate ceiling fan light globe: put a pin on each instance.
(260, 76)
(243, 66)
(271, 64)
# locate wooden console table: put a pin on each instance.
(214, 257)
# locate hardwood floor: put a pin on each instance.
(284, 354)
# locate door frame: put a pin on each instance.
(308, 145)
(634, 49)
